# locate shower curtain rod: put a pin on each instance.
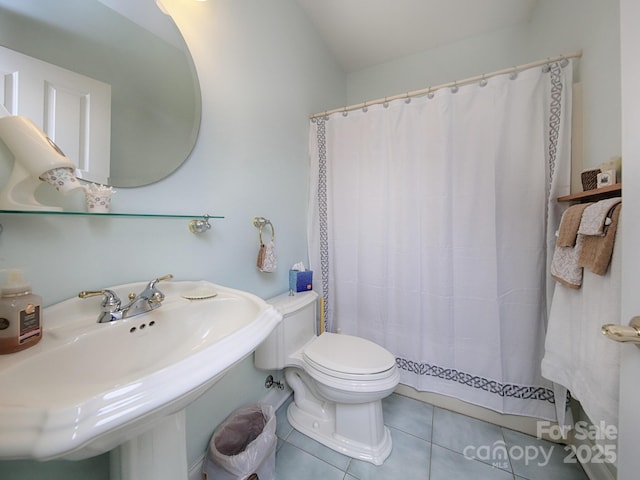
(455, 84)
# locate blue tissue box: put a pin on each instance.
(300, 281)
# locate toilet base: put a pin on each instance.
(355, 430)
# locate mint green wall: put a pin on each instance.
(594, 27)
(556, 27)
(263, 70)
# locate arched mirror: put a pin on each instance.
(140, 53)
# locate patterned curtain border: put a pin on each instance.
(323, 217)
(525, 392)
(555, 116)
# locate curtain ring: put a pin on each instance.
(483, 81)
(429, 94)
(564, 62)
(454, 89)
(514, 74)
(365, 109)
(344, 112)
(385, 103)
(407, 98)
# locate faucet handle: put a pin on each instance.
(152, 294)
(110, 298)
(110, 306)
(152, 283)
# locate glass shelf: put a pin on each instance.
(197, 223)
(109, 214)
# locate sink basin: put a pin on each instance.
(88, 387)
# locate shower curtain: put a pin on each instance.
(431, 226)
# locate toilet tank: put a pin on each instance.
(297, 327)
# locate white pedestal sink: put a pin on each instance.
(90, 387)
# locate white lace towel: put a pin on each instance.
(565, 267)
(594, 217)
(268, 261)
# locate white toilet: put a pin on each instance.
(338, 381)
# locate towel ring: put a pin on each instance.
(260, 223)
(273, 231)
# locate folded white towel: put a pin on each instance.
(595, 216)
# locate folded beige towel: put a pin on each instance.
(569, 224)
(594, 216)
(565, 267)
(596, 251)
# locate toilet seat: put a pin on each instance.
(348, 357)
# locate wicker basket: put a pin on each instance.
(590, 179)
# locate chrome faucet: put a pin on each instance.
(149, 299)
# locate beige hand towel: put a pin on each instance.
(568, 231)
(596, 251)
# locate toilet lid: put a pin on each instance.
(348, 354)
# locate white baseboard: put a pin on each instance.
(595, 470)
(598, 471)
(277, 397)
(195, 471)
(274, 397)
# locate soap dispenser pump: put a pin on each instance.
(20, 314)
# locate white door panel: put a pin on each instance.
(629, 423)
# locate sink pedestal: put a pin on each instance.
(157, 454)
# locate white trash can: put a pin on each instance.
(243, 447)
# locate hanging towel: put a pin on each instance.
(594, 216)
(596, 251)
(565, 266)
(269, 258)
(569, 225)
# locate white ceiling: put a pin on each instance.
(363, 33)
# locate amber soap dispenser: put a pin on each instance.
(20, 314)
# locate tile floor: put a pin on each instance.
(428, 444)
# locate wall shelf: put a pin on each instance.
(593, 195)
(197, 223)
(109, 214)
